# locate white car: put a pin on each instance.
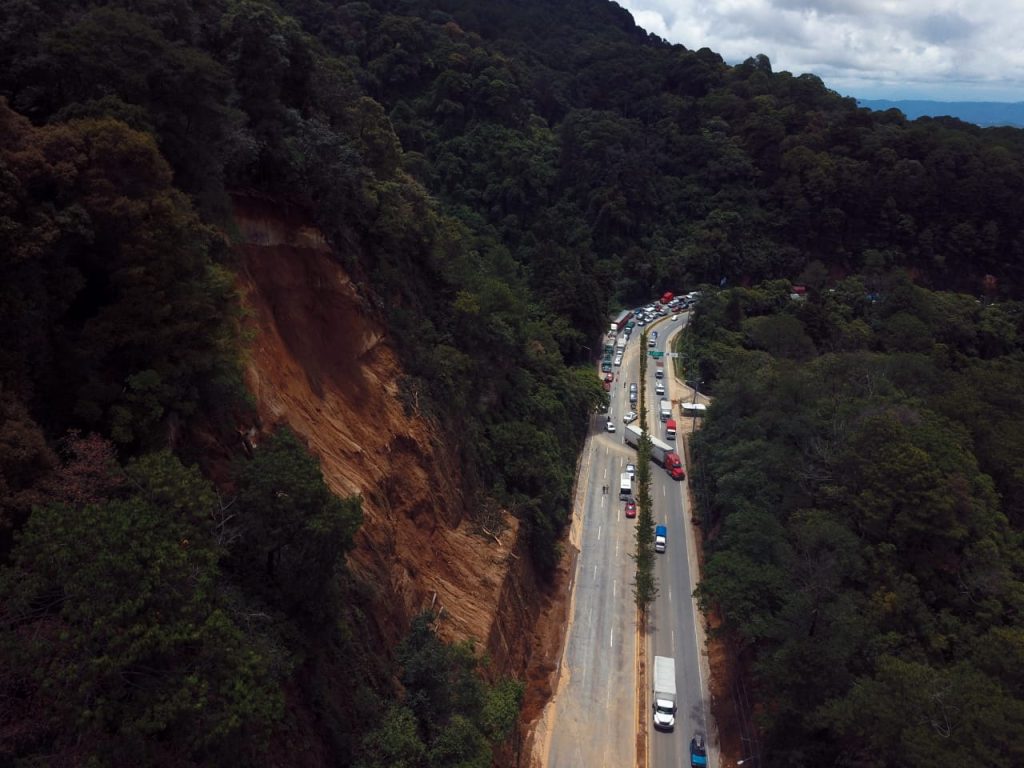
(610, 425)
(618, 360)
(674, 318)
(631, 471)
(629, 418)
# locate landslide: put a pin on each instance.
(321, 362)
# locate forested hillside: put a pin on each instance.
(495, 177)
(860, 473)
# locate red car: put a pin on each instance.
(609, 377)
(630, 508)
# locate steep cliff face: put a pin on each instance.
(320, 361)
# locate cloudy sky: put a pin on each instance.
(948, 50)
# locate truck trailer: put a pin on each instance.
(660, 453)
(664, 698)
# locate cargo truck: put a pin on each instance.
(620, 346)
(660, 451)
(664, 698)
(665, 410)
(674, 466)
(660, 538)
(625, 486)
(620, 321)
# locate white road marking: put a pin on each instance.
(599, 532)
(611, 637)
(615, 585)
(595, 573)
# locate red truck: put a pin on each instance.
(674, 466)
(666, 297)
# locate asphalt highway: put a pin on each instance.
(595, 721)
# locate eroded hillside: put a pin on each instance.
(321, 362)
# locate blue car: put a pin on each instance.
(698, 752)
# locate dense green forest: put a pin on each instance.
(496, 177)
(860, 474)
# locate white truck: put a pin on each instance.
(664, 698)
(659, 449)
(666, 410)
(625, 485)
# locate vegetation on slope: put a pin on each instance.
(860, 471)
(496, 175)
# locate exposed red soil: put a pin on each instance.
(321, 363)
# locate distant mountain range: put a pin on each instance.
(983, 113)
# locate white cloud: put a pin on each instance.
(953, 50)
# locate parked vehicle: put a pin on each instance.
(618, 360)
(660, 538)
(610, 424)
(698, 752)
(674, 466)
(630, 508)
(620, 321)
(666, 297)
(625, 486)
(665, 410)
(629, 418)
(631, 471)
(664, 697)
(659, 450)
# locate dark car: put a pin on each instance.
(630, 508)
(698, 752)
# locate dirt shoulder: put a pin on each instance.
(717, 660)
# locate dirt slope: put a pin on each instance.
(320, 361)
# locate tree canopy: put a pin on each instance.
(865, 548)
